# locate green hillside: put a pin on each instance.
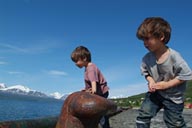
(188, 93)
(136, 100)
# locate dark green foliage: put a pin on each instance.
(188, 93)
(132, 101)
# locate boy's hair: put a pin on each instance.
(81, 53)
(156, 27)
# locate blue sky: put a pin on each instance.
(38, 36)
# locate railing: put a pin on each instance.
(47, 122)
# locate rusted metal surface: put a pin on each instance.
(49, 122)
(84, 110)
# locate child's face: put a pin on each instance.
(80, 63)
(152, 43)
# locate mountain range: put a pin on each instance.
(25, 91)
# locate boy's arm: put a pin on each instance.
(167, 84)
(94, 87)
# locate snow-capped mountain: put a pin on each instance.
(2, 85)
(22, 90)
(56, 95)
(64, 96)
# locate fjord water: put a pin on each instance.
(13, 107)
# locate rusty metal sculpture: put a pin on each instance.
(84, 110)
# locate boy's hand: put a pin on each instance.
(87, 90)
(161, 85)
(93, 91)
(151, 83)
(167, 84)
(83, 90)
(151, 87)
(90, 90)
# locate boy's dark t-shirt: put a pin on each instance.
(92, 73)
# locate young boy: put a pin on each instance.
(95, 82)
(166, 73)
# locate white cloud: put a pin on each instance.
(57, 72)
(8, 47)
(14, 72)
(3, 63)
(33, 48)
(129, 90)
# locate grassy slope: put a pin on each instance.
(136, 100)
(188, 93)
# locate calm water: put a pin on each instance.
(16, 108)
